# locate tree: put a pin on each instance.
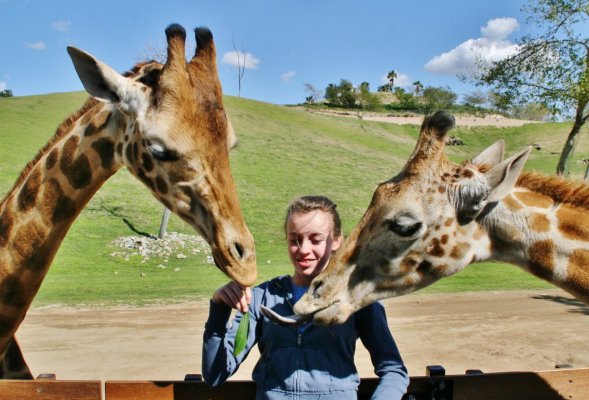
(314, 93)
(367, 100)
(385, 88)
(418, 87)
(405, 99)
(475, 99)
(341, 95)
(551, 69)
(531, 111)
(438, 98)
(391, 76)
(499, 102)
(240, 66)
(6, 93)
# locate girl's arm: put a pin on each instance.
(373, 330)
(218, 360)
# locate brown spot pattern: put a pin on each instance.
(12, 292)
(161, 185)
(439, 271)
(51, 159)
(578, 269)
(573, 224)
(56, 204)
(459, 250)
(539, 222)
(98, 124)
(436, 249)
(147, 162)
(467, 173)
(407, 264)
(6, 224)
(105, 149)
(27, 197)
(145, 179)
(511, 203)
(541, 258)
(76, 170)
(29, 248)
(532, 199)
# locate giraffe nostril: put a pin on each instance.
(316, 286)
(237, 251)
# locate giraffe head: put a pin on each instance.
(175, 138)
(420, 226)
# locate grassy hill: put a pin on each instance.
(282, 153)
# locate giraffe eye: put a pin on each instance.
(404, 227)
(160, 153)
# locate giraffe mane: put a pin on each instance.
(64, 128)
(61, 130)
(572, 192)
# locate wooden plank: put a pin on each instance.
(546, 385)
(44, 389)
(569, 384)
(177, 390)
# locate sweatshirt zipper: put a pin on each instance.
(299, 331)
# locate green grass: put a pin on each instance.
(282, 153)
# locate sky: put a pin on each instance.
(287, 44)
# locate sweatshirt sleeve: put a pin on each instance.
(373, 330)
(218, 360)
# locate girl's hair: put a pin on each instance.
(307, 204)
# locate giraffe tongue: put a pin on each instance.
(291, 320)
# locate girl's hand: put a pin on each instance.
(234, 295)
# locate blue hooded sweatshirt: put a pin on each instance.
(308, 362)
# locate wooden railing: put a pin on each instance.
(558, 384)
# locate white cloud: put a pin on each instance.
(401, 80)
(492, 46)
(499, 28)
(2, 86)
(36, 46)
(61, 26)
(237, 59)
(287, 76)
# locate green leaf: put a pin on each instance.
(241, 335)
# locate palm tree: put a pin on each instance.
(418, 86)
(391, 76)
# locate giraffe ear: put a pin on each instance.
(492, 155)
(102, 82)
(503, 176)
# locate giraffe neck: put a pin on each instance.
(548, 238)
(36, 215)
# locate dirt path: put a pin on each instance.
(461, 120)
(492, 331)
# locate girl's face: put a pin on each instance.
(310, 243)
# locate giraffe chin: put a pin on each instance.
(334, 314)
(243, 273)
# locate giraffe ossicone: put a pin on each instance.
(436, 217)
(167, 124)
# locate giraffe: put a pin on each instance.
(436, 217)
(165, 123)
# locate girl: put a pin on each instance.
(308, 362)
